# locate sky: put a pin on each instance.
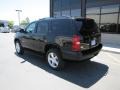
(33, 9)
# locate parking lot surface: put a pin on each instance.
(31, 72)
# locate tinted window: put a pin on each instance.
(93, 10)
(42, 27)
(31, 27)
(63, 27)
(110, 8)
(94, 3)
(76, 12)
(109, 18)
(57, 14)
(65, 4)
(88, 26)
(109, 22)
(75, 4)
(57, 5)
(66, 13)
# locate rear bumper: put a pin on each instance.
(83, 55)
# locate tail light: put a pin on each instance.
(76, 43)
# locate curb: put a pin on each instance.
(111, 50)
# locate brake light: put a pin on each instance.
(76, 43)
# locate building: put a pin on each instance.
(105, 12)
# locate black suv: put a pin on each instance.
(61, 39)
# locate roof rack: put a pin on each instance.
(61, 17)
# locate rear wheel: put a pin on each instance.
(19, 48)
(54, 59)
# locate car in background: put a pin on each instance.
(17, 28)
(4, 29)
(111, 28)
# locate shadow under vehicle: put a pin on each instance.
(84, 74)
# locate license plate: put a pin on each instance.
(93, 42)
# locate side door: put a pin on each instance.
(27, 39)
(41, 35)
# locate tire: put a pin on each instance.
(19, 48)
(54, 59)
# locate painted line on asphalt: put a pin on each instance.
(112, 50)
(113, 58)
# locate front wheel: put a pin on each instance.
(19, 48)
(54, 59)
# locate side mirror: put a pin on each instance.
(22, 30)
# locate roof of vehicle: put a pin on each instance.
(64, 17)
(54, 18)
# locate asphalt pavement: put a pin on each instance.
(31, 72)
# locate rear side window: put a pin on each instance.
(63, 27)
(42, 27)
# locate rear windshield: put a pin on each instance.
(86, 25)
(63, 27)
(89, 24)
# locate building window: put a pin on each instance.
(57, 8)
(109, 22)
(57, 5)
(75, 6)
(110, 9)
(57, 14)
(93, 13)
(65, 4)
(76, 12)
(98, 3)
(105, 16)
(95, 17)
(119, 24)
(66, 13)
(109, 18)
(65, 7)
(94, 10)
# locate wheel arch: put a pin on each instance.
(52, 46)
(16, 39)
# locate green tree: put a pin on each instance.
(10, 24)
(25, 22)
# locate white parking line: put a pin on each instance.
(111, 49)
(113, 58)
